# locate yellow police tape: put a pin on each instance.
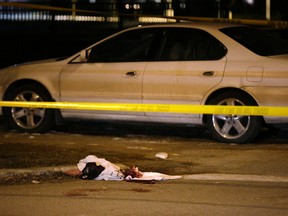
(165, 108)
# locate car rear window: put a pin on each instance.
(258, 41)
(193, 45)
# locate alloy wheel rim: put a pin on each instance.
(28, 118)
(231, 126)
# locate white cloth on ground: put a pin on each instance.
(153, 176)
(111, 171)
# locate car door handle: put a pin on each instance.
(131, 74)
(208, 73)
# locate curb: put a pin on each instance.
(34, 171)
(197, 177)
(41, 170)
(237, 177)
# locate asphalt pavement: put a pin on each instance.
(217, 179)
(28, 158)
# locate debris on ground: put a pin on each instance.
(94, 168)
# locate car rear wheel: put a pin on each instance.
(29, 120)
(233, 128)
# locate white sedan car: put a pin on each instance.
(183, 63)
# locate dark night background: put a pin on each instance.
(35, 33)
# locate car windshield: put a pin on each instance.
(259, 42)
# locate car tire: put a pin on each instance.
(234, 128)
(30, 120)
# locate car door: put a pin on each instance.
(189, 64)
(113, 72)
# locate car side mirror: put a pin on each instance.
(84, 56)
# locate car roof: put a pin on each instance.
(204, 25)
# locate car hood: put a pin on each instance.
(280, 57)
(41, 61)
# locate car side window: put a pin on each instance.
(184, 44)
(131, 46)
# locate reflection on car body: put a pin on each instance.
(184, 63)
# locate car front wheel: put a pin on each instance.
(29, 120)
(233, 128)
